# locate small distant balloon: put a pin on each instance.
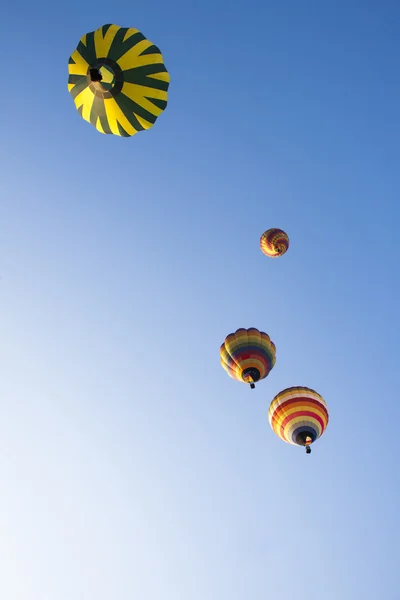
(274, 242)
(299, 416)
(118, 80)
(248, 355)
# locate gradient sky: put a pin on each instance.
(132, 466)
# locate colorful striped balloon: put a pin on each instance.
(248, 355)
(299, 416)
(274, 242)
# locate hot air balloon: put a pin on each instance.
(118, 80)
(248, 355)
(274, 242)
(299, 416)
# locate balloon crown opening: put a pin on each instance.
(251, 375)
(95, 75)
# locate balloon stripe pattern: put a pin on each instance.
(118, 80)
(298, 415)
(274, 242)
(248, 355)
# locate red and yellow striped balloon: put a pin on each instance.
(274, 242)
(248, 355)
(299, 416)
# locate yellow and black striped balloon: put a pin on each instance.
(118, 80)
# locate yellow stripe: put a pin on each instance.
(98, 126)
(288, 431)
(81, 66)
(114, 114)
(295, 393)
(139, 92)
(147, 59)
(162, 76)
(106, 75)
(291, 409)
(85, 99)
(290, 426)
(295, 396)
(131, 31)
(130, 58)
(143, 122)
(279, 420)
(102, 43)
(134, 92)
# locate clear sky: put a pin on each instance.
(132, 466)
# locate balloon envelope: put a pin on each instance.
(118, 80)
(248, 355)
(298, 415)
(274, 242)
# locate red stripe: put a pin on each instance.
(298, 413)
(302, 413)
(283, 414)
(299, 401)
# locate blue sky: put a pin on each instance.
(132, 466)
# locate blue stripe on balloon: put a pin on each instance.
(313, 433)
